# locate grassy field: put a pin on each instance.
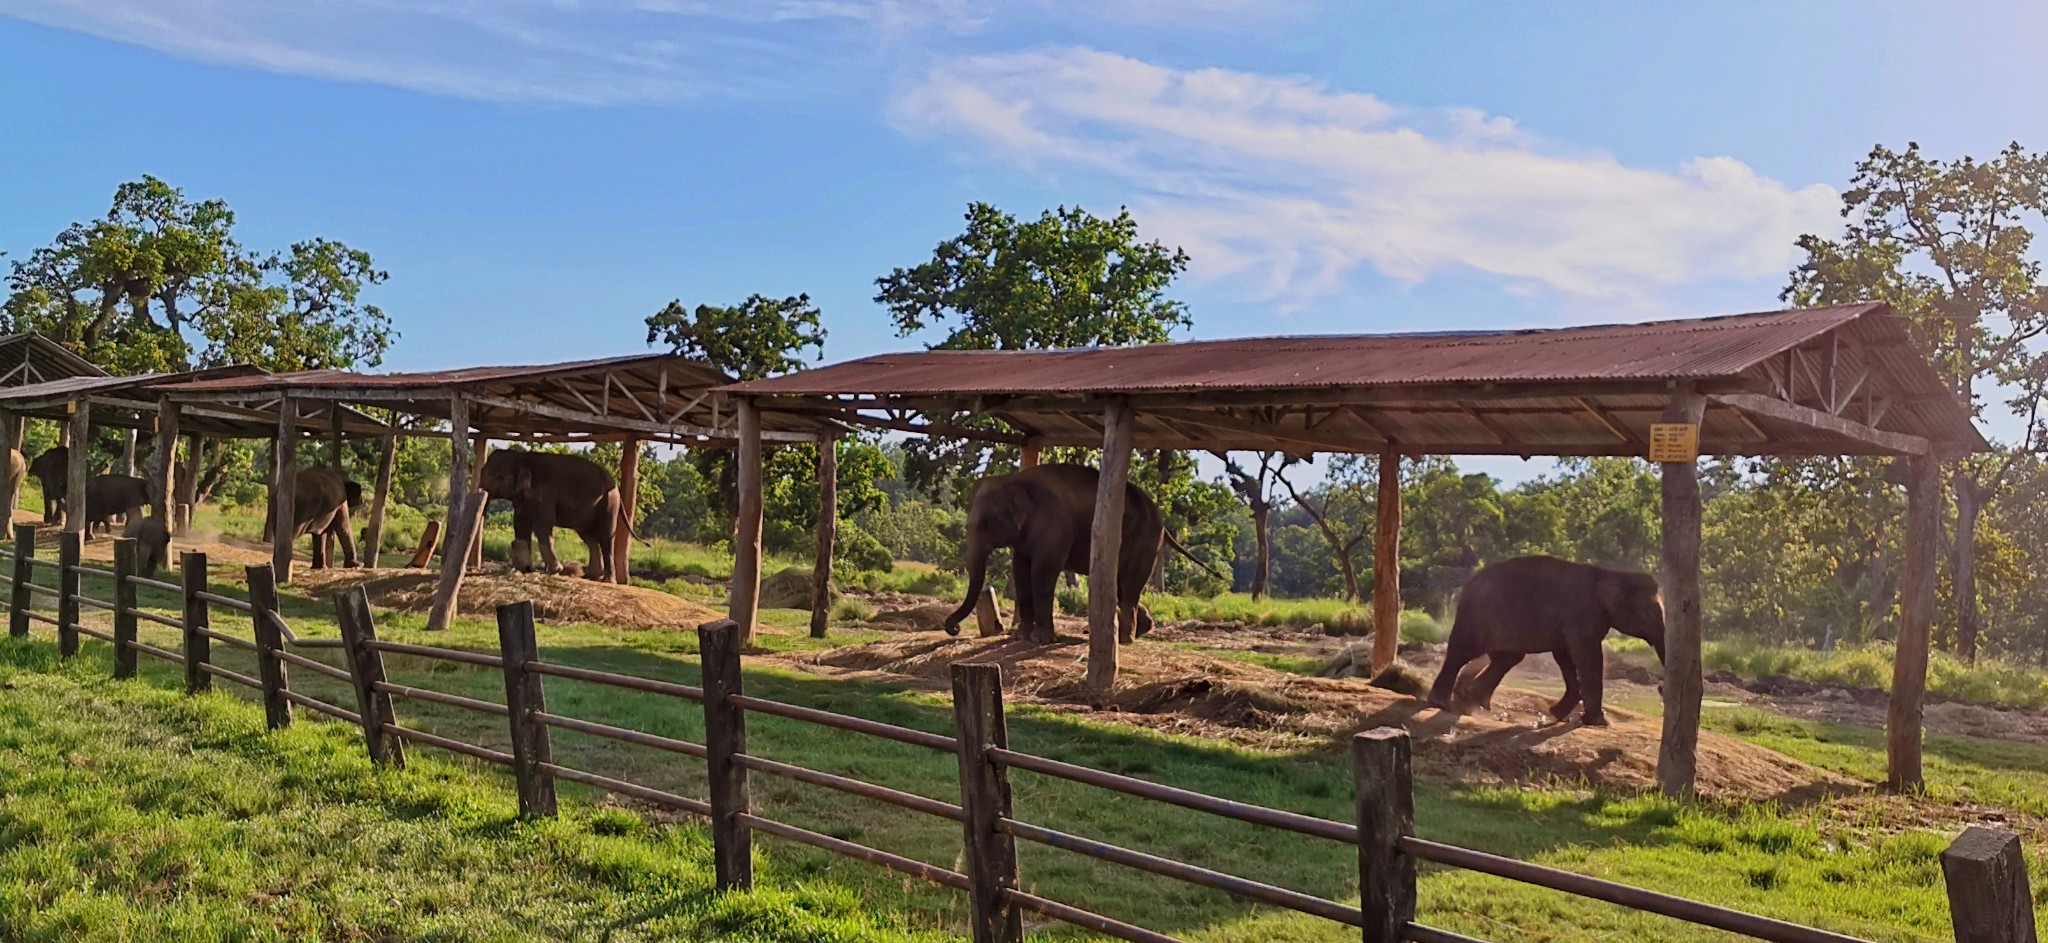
(1865, 865)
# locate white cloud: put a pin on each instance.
(1295, 184)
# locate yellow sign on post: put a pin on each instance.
(1674, 441)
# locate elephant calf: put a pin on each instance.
(108, 495)
(152, 542)
(321, 499)
(549, 490)
(1526, 605)
(52, 470)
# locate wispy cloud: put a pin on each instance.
(1295, 184)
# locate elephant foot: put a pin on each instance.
(353, 564)
(1562, 710)
(1594, 719)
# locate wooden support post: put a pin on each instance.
(67, 589)
(365, 672)
(124, 607)
(10, 441)
(629, 505)
(744, 596)
(1988, 896)
(1027, 456)
(373, 533)
(1680, 582)
(828, 534)
(1105, 549)
(425, 551)
(335, 445)
(455, 549)
(269, 635)
(163, 475)
(1916, 621)
(284, 478)
(988, 616)
(1386, 565)
(1385, 784)
(479, 452)
(532, 753)
(725, 736)
(198, 644)
(188, 484)
(985, 798)
(127, 466)
(80, 470)
(21, 599)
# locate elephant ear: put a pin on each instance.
(522, 478)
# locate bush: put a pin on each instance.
(852, 610)
(857, 551)
(1073, 600)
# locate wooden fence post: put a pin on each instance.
(24, 574)
(725, 736)
(67, 585)
(1386, 814)
(198, 644)
(270, 669)
(532, 752)
(124, 608)
(365, 671)
(1986, 872)
(985, 797)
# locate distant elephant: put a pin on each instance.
(52, 470)
(1045, 516)
(1527, 605)
(108, 495)
(549, 490)
(152, 542)
(321, 499)
(11, 476)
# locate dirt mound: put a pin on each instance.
(1188, 692)
(556, 599)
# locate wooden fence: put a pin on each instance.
(1985, 869)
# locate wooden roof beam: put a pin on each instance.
(1890, 442)
(1278, 434)
(1621, 432)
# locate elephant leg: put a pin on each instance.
(1566, 667)
(1592, 665)
(346, 535)
(1023, 616)
(1134, 570)
(600, 556)
(1498, 664)
(545, 537)
(1464, 647)
(1044, 584)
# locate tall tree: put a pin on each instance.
(1255, 489)
(1948, 243)
(1342, 508)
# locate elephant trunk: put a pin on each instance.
(978, 551)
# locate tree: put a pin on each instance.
(1256, 491)
(1347, 512)
(1947, 244)
(757, 338)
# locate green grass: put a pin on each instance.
(1986, 681)
(1334, 614)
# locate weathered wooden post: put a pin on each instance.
(988, 616)
(1105, 550)
(479, 452)
(127, 465)
(373, 533)
(79, 470)
(284, 478)
(1385, 799)
(67, 589)
(1027, 456)
(163, 473)
(270, 669)
(1680, 581)
(365, 672)
(24, 574)
(629, 506)
(10, 440)
(1386, 564)
(532, 752)
(188, 483)
(991, 855)
(425, 551)
(1916, 622)
(1988, 897)
(198, 622)
(828, 534)
(455, 549)
(124, 607)
(743, 599)
(725, 736)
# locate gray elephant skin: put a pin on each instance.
(108, 495)
(549, 490)
(1527, 605)
(321, 499)
(16, 470)
(52, 470)
(1045, 516)
(152, 542)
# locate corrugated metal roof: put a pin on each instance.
(30, 357)
(101, 383)
(691, 374)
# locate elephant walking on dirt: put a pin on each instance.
(1044, 515)
(52, 470)
(321, 500)
(108, 495)
(549, 490)
(1526, 605)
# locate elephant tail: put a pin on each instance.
(1175, 544)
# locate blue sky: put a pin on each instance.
(538, 175)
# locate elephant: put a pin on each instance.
(1526, 605)
(1045, 515)
(152, 542)
(108, 495)
(52, 470)
(321, 499)
(16, 470)
(549, 490)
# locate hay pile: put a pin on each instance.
(556, 599)
(1189, 692)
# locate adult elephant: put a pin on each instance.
(1527, 605)
(549, 490)
(321, 499)
(52, 470)
(1045, 516)
(16, 470)
(108, 495)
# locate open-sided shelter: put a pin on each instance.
(25, 358)
(1844, 380)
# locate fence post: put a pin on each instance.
(263, 619)
(1986, 872)
(985, 796)
(365, 672)
(124, 608)
(24, 574)
(725, 736)
(531, 750)
(67, 589)
(1386, 814)
(198, 622)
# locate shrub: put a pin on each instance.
(849, 609)
(857, 551)
(1073, 600)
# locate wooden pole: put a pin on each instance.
(80, 470)
(1105, 547)
(198, 622)
(1683, 686)
(1986, 873)
(532, 752)
(365, 672)
(745, 594)
(455, 549)
(1027, 456)
(67, 593)
(373, 535)
(163, 482)
(1916, 622)
(1385, 800)
(828, 534)
(629, 503)
(334, 438)
(1386, 565)
(985, 799)
(269, 635)
(284, 483)
(24, 574)
(479, 452)
(124, 607)
(188, 489)
(725, 736)
(128, 452)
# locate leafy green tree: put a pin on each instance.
(1949, 244)
(1255, 489)
(759, 337)
(1342, 508)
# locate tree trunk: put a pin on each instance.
(1262, 570)
(1963, 560)
(1350, 570)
